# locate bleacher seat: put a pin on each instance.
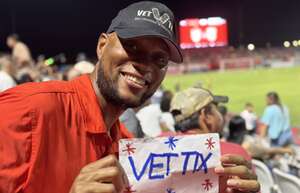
(287, 182)
(265, 178)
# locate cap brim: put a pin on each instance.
(220, 99)
(175, 53)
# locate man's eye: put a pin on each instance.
(162, 62)
(131, 47)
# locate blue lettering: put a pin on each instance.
(204, 161)
(186, 160)
(196, 163)
(138, 176)
(169, 155)
(152, 166)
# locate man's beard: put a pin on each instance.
(109, 90)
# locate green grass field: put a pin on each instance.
(248, 86)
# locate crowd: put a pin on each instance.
(19, 67)
(190, 111)
(222, 58)
(267, 138)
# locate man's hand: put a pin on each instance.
(103, 176)
(236, 175)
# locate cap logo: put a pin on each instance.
(154, 16)
(162, 19)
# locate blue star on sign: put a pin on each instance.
(171, 141)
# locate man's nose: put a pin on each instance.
(143, 67)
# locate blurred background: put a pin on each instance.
(230, 35)
(239, 48)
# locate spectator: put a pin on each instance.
(257, 147)
(149, 117)
(6, 73)
(156, 98)
(275, 122)
(20, 52)
(132, 123)
(167, 121)
(250, 117)
(237, 129)
(80, 68)
(195, 111)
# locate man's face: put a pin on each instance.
(214, 119)
(130, 70)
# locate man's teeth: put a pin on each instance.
(135, 79)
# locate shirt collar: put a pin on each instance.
(93, 116)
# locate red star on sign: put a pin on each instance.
(128, 190)
(129, 149)
(207, 185)
(209, 143)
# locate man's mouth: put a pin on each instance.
(134, 80)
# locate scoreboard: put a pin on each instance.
(202, 33)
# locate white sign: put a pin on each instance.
(179, 164)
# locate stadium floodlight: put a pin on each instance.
(298, 42)
(286, 44)
(251, 47)
(295, 43)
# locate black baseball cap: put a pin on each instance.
(148, 18)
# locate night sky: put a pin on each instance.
(71, 26)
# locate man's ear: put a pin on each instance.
(102, 41)
(203, 121)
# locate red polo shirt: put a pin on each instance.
(48, 132)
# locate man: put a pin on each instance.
(54, 131)
(20, 52)
(61, 136)
(6, 73)
(195, 111)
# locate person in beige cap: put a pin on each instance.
(194, 100)
(195, 111)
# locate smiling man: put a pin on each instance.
(53, 133)
(62, 136)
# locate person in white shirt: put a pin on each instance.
(149, 117)
(6, 74)
(250, 118)
(167, 121)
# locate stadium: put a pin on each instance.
(240, 59)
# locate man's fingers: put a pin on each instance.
(245, 185)
(240, 171)
(101, 175)
(235, 160)
(107, 161)
(94, 187)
